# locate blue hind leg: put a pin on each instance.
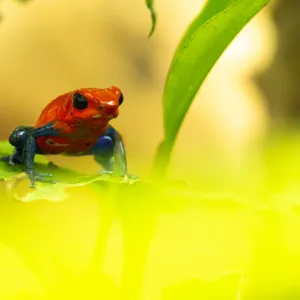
(103, 152)
(109, 151)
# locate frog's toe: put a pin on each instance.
(112, 173)
(105, 172)
(8, 159)
(5, 158)
(128, 178)
(41, 177)
(133, 177)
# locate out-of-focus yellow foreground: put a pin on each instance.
(232, 234)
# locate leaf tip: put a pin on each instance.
(153, 17)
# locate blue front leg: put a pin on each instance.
(30, 150)
(23, 138)
(17, 139)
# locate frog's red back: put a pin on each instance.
(55, 110)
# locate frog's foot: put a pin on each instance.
(35, 176)
(5, 158)
(12, 159)
(106, 172)
(8, 159)
(125, 177)
(129, 178)
(132, 177)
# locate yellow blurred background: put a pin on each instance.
(49, 47)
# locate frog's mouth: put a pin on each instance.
(97, 116)
(105, 116)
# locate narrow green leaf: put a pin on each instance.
(211, 8)
(200, 48)
(150, 4)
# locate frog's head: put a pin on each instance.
(97, 105)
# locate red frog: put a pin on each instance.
(74, 124)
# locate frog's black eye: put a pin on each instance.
(79, 102)
(121, 99)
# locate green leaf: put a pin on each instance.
(57, 191)
(52, 192)
(211, 8)
(150, 4)
(200, 48)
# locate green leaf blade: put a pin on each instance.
(211, 8)
(199, 50)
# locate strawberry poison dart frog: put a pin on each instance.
(74, 124)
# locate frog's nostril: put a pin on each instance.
(100, 107)
(110, 110)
